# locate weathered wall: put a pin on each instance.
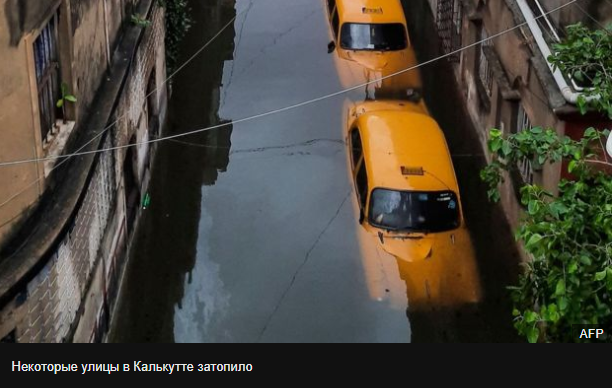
(24, 16)
(89, 51)
(525, 71)
(71, 297)
(89, 32)
(18, 132)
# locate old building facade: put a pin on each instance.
(66, 223)
(507, 82)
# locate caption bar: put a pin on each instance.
(138, 366)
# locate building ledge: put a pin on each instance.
(57, 143)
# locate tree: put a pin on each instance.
(568, 235)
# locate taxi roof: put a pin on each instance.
(371, 11)
(398, 144)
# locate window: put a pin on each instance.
(356, 147)
(334, 16)
(414, 211)
(358, 168)
(336, 23)
(449, 26)
(484, 70)
(332, 4)
(47, 65)
(362, 185)
(524, 166)
(374, 37)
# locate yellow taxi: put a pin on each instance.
(371, 42)
(405, 181)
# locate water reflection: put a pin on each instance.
(206, 300)
(276, 239)
(165, 248)
(496, 253)
(253, 249)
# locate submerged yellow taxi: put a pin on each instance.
(371, 41)
(405, 181)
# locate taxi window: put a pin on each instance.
(336, 23)
(362, 185)
(331, 6)
(374, 37)
(414, 211)
(356, 147)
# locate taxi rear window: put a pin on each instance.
(375, 37)
(413, 211)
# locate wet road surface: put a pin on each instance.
(252, 235)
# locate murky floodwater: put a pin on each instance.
(252, 234)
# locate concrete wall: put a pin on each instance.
(19, 132)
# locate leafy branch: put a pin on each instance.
(568, 234)
(586, 57)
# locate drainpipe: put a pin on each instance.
(568, 93)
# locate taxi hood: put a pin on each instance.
(418, 247)
(373, 61)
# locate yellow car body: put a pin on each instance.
(403, 150)
(397, 149)
(371, 42)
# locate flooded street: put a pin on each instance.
(252, 234)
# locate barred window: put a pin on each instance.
(484, 70)
(449, 26)
(524, 166)
(47, 65)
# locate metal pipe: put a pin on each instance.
(568, 93)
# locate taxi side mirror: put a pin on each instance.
(331, 47)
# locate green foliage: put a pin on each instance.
(586, 57)
(178, 22)
(66, 96)
(569, 236)
(140, 21)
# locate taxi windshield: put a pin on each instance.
(424, 212)
(375, 37)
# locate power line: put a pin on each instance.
(289, 107)
(105, 129)
(265, 114)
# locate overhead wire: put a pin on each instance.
(268, 113)
(118, 119)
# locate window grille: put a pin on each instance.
(47, 65)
